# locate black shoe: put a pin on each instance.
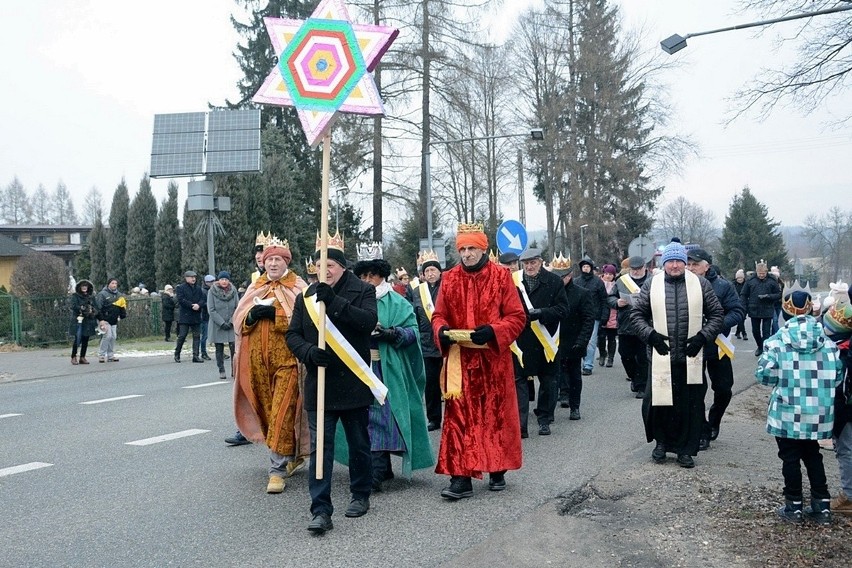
(358, 507)
(177, 358)
(757, 352)
(168, 339)
(703, 445)
(601, 361)
(524, 434)
(497, 481)
(791, 511)
(544, 429)
(639, 394)
(586, 372)
(745, 337)
(377, 486)
(237, 440)
(564, 404)
(432, 426)
(819, 511)
(197, 360)
(205, 356)
(714, 432)
(659, 453)
(320, 523)
(226, 356)
(686, 461)
(608, 363)
(575, 414)
(738, 336)
(460, 488)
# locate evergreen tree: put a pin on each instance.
(141, 237)
(117, 242)
(750, 235)
(167, 249)
(63, 206)
(83, 262)
(97, 244)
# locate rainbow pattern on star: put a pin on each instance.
(325, 66)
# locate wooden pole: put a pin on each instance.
(321, 274)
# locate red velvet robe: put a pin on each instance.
(481, 430)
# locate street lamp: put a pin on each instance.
(582, 242)
(534, 134)
(675, 43)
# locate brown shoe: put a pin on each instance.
(83, 361)
(841, 505)
(276, 484)
(74, 361)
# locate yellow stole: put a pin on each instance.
(426, 300)
(549, 342)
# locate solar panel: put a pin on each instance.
(197, 143)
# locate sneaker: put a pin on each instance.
(222, 376)
(497, 481)
(276, 484)
(225, 356)
(841, 505)
(294, 466)
(575, 414)
(686, 461)
(320, 523)
(237, 440)
(791, 511)
(101, 359)
(205, 356)
(544, 429)
(586, 372)
(432, 426)
(113, 360)
(358, 507)
(460, 488)
(745, 337)
(819, 511)
(659, 453)
(608, 363)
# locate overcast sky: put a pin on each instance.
(84, 78)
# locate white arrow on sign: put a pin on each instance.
(514, 240)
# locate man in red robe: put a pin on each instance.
(481, 430)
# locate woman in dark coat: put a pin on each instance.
(84, 321)
(169, 305)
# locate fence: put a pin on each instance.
(45, 320)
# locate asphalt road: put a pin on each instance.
(193, 501)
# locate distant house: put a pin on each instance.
(10, 252)
(64, 241)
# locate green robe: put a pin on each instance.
(404, 375)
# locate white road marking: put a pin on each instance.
(207, 385)
(9, 415)
(166, 437)
(112, 399)
(22, 468)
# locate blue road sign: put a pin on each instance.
(511, 237)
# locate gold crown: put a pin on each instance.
(470, 228)
(400, 272)
(493, 257)
(274, 241)
(262, 240)
(335, 242)
(559, 262)
(426, 256)
(370, 251)
(310, 266)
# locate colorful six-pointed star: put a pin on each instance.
(324, 67)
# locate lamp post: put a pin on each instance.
(675, 43)
(533, 134)
(582, 241)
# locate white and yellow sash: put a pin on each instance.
(426, 300)
(549, 342)
(726, 347)
(518, 353)
(629, 284)
(344, 350)
(661, 369)
(414, 283)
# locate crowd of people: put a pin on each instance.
(466, 350)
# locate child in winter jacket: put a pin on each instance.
(804, 368)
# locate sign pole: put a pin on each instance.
(323, 270)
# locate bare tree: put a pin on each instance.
(93, 207)
(830, 236)
(41, 206)
(14, 203)
(63, 206)
(688, 221)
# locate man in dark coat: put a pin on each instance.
(633, 352)
(191, 302)
(546, 305)
(759, 296)
(600, 307)
(423, 300)
(352, 308)
(677, 313)
(575, 331)
(111, 307)
(720, 371)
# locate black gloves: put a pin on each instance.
(226, 326)
(577, 352)
(258, 313)
(694, 345)
(325, 293)
(535, 314)
(482, 334)
(658, 342)
(387, 334)
(445, 341)
(319, 357)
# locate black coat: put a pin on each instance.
(427, 339)
(80, 304)
(578, 325)
(750, 297)
(735, 313)
(107, 310)
(597, 294)
(550, 298)
(168, 306)
(188, 294)
(354, 311)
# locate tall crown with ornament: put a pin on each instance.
(559, 262)
(335, 242)
(369, 251)
(310, 266)
(426, 256)
(261, 241)
(493, 257)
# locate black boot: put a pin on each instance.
(460, 488)
(791, 511)
(609, 361)
(819, 511)
(601, 360)
(659, 453)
